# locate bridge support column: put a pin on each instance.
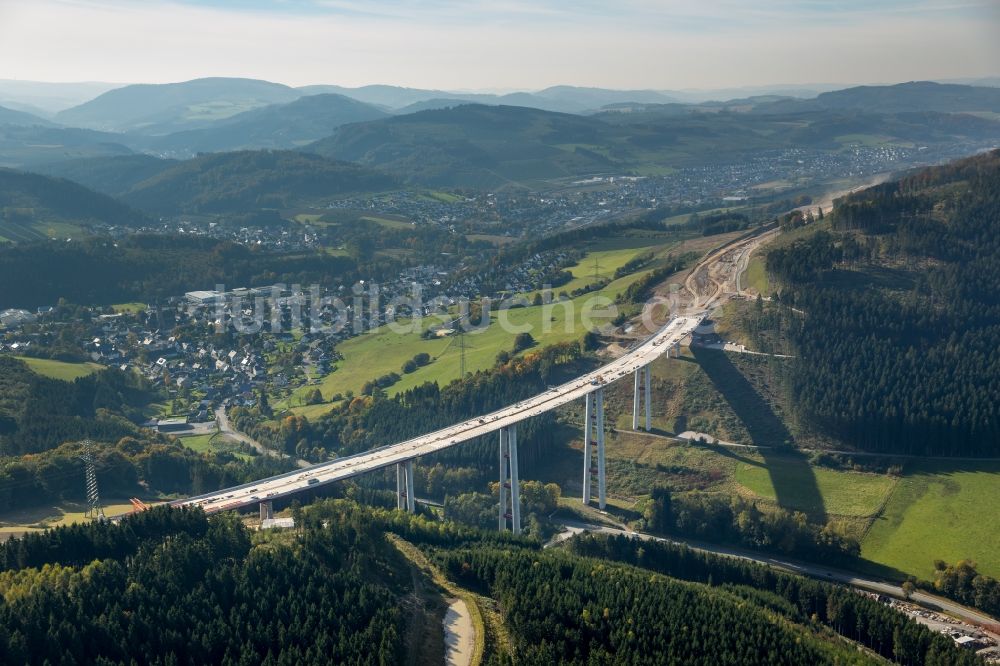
(635, 400)
(588, 429)
(400, 486)
(601, 479)
(594, 425)
(502, 490)
(643, 384)
(509, 483)
(515, 482)
(404, 486)
(410, 495)
(648, 374)
(266, 510)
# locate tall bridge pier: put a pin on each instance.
(643, 384)
(404, 486)
(509, 482)
(593, 424)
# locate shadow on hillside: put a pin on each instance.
(795, 487)
(727, 452)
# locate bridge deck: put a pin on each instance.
(344, 468)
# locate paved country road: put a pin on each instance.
(226, 428)
(806, 569)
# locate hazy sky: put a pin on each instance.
(502, 44)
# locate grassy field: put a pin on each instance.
(59, 369)
(388, 222)
(65, 513)
(129, 308)
(602, 262)
(871, 140)
(852, 494)
(214, 443)
(755, 276)
(199, 443)
(639, 461)
(24, 232)
(444, 197)
(939, 511)
(491, 238)
(384, 350)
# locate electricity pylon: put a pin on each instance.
(94, 508)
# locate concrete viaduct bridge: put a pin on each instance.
(590, 387)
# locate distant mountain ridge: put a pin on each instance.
(22, 118)
(480, 146)
(473, 145)
(114, 175)
(908, 97)
(444, 139)
(27, 147)
(249, 180)
(170, 107)
(277, 126)
(46, 98)
(561, 99)
(32, 198)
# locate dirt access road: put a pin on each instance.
(459, 634)
(718, 275)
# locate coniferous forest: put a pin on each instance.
(173, 586)
(897, 309)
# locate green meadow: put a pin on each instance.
(60, 369)
(384, 350)
(940, 510)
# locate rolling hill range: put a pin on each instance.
(22, 118)
(474, 145)
(113, 175)
(560, 99)
(303, 121)
(387, 97)
(249, 180)
(26, 147)
(45, 97)
(30, 203)
(172, 107)
(914, 96)
(499, 146)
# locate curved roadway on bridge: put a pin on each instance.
(344, 468)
